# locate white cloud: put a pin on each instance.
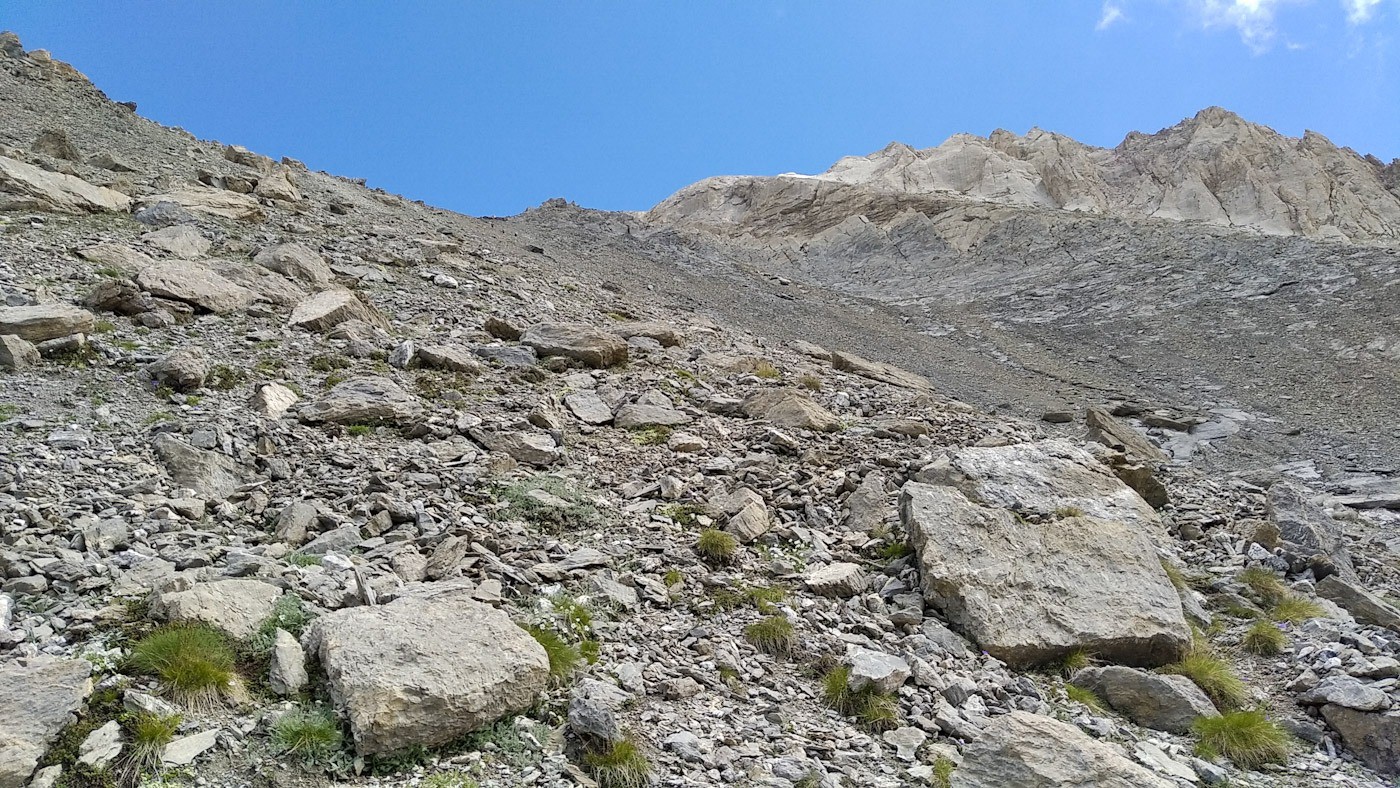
(1114, 13)
(1254, 19)
(1360, 11)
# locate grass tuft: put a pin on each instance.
(943, 767)
(564, 657)
(810, 382)
(312, 736)
(538, 500)
(622, 765)
(1084, 697)
(194, 662)
(1264, 638)
(773, 635)
(1295, 609)
(1264, 584)
(1174, 574)
(1074, 661)
(1213, 675)
(716, 546)
(147, 735)
(875, 710)
(766, 370)
(1246, 737)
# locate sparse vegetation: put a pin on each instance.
(943, 768)
(549, 502)
(302, 559)
(224, 378)
(147, 735)
(194, 663)
(766, 598)
(716, 546)
(1174, 574)
(685, 514)
(573, 615)
(810, 382)
(655, 435)
(328, 362)
(623, 765)
(1074, 661)
(672, 578)
(9, 410)
(103, 327)
(1264, 584)
(453, 779)
(1213, 675)
(289, 614)
(895, 551)
(773, 635)
(1065, 512)
(1264, 638)
(442, 385)
(766, 370)
(564, 657)
(360, 430)
(1294, 609)
(875, 710)
(1246, 737)
(1084, 696)
(312, 736)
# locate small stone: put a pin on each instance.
(102, 746)
(906, 740)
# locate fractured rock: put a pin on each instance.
(1111, 432)
(17, 353)
(842, 580)
(1033, 751)
(238, 607)
(1371, 736)
(636, 416)
(790, 410)
(211, 474)
(182, 370)
(329, 308)
(578, 341)
(1307, 527)
(1362, 604)
(181, 240)
(45, 321)
(194, 284)
(426, 669)
(24, 187)
(1161, 702)
(1029, 592)
(367, 400)
(297, 262)
(37, 700)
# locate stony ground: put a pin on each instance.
(285, 405)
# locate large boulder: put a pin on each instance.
(578, 341)
(427, 668)
(238, 607)
(879, 370)
(1109, 431)
(329, 308)
(636, 415)
(24, 187)
(37, 700)
(790, 410)
(116, 256)
(1371, 736)
(296, 262)
(212, 475)
(45, 321)
(17, 353)
(1031, 592)
(180, 240)
(1031, 751)
(1307, 528)
(1152, 700)
(182, 370)
(1360, 603)
(194, 284)
(367, 400)
(1043, 478)
(212, 202)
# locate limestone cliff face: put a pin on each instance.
(1216, 168)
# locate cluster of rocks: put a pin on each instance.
(281, 387)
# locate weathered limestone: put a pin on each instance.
(37, 700)
(1032, 751)
(578, 341)
(789, 409)
(367, 400)
(24, 187)
(1152, 700)
(238, 607)
(45, 321)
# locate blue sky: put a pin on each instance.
(491, 107)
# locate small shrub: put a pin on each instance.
(147, 735)
(673, 577)
(332, 380)
(437, 385)
(193, 662)
(1213, 675)
(360, 430)
(9, 410)
(655, 435)
(766, 370)
(895, 551)
(623, 765)
(158, 417)
(773, 635)
(716, 546)
(1246, 737)
(684, 514)
(1065, 512)
(302, 559)
(564, 657)
(1295, 609)
(1264, 638)
(542, 508)
(312, 736)
(1084, 696)
(328, 363)
(943, 768)
(103, 327)
(575, 616)
(1265, 584)
(224, 377)
(288, 613)
(874, 710)
(810, 382)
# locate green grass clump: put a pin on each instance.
(655, 435)
(773, 635)
(766, 598)
(575, 513)
(685, 514)
(672, 578)
(1213, 675)
(288, 613)
(223, 377)
(623, 765)
(1246, 737)
(716, 546)
(1265, 584)
(449, 780)
(766, 370)
(810, 382)
(1295, 609)
(874, 710)
(943, 767)
(564, 657)
(1084, 696)
(1174, 574)
(1074, 661)
(312, 736)
(574, 615)
(194, 663)
(1264, 638)
(360, 430)
(328, 363)
(302, 559)
(895, 551)
(147, 735)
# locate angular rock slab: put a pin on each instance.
(1164, 703)
(329, 308)
(36, 702)
(238, 607)
(1044, 477)
(426, 669)
(1029, 593)
(1307, 526)
(1031, 751)
(368, 400)
(211, 474)
(789, 409)
(24, 187)
(1365, 606)
(194, 284)
(45, 321)
(1371, 736)
(578, 341)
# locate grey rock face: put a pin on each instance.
(635, 416)
(580, 342)
(1109, 431)
(588, 407)
(183, 370)
(295, 261)
(879, 370)
(287, 672)
(1365, 606)
(1307, 527)
(36, 701)
(1031, 751)
(424, 670)
(790, 410)
(45, 321)
(1032, 592)
(1371, 736)
(1347, 692)
(1164, 703)
(209, 473)
(24, 187)
(17, 353)
(181, 240)
(884, 673)
(841, 579)
(194, 284)
(324, 310)
(237, 607)
(593, 707)
(368, 400)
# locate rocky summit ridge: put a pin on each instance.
(304, 483)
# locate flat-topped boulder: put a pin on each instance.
(1032, 592)
(213, 202)
(297, 262)
(24, 187)
(427, 668)
(194, 284)
(366, 400)
(43, 322)
(1152, 700)
(790, 410)
(1032, 751)
(329, 308)
(578, 341)
(238, 607)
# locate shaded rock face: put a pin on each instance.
(36, 701)
(1030, 592)
(1111, 432)
(1362, 604)
(1307, 527)
(580, 342)
(1372, 736)
(44, 321)
(424, 670)
(1164, 703)
(1032, 751)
